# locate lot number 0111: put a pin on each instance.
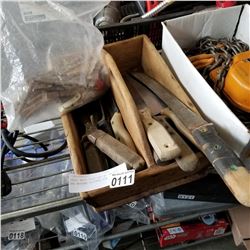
(122, 179)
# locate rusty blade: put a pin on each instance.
(190, 119)
(149, 98)
(131, 83)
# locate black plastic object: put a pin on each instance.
(5, 183)
(10, 146)
(9, 140)
(210, 188)
(151, 27)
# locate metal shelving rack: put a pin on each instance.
(145, 228)
(38, 206)
(22, 169)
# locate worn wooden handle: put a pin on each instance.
(95, 160)
(238, 181)
(184, 130)
(120, 132)
(187, 160)
(159, 138)
(226, 163)
(117, 151)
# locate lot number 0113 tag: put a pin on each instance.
(122, 179)
(18, 235)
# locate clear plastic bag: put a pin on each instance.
(136, 211)
(28, 239)
(49, 182)
(50, 61)
(86, 226)
(82, 224)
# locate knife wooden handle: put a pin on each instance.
(94, 158)
(187, 160)
(161, 141)
(117, 151)
(120, 132)
(184, 130)
(226, 163)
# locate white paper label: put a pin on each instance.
(79, 234)
(219, 231)
(38, 11)
(175, 230)
(132, 204)
(169, 237)
(16, 235)
(18, 226)
(122, 179)
(186, 197)
(75, 222)
(88, 182)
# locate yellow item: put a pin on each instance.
(200, 57)
(237, 81)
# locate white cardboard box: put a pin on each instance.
(184, 32)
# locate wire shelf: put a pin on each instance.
(41, 186)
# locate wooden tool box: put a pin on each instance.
(121, 57)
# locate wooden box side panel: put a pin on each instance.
(127, 53)
(146, 193)
(128, 110)
(154, 66)
(74, 146)
(153, 180)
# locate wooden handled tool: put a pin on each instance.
(184, 130)
(120, 132)
(187, 160)
(159, 138)
(96, 161)
(117, 151)
(223, 159)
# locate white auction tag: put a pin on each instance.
(219, 231)
(16, 235)
(88, 182)
(175, 230)
(18, 226)
(79, 234)
(132, 204)
(186, 196)
(38, 11)
(122, 179)
(75, 222)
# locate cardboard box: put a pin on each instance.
(241, 225)
(184, 32)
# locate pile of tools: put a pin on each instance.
(157, 108)
(225, 64)
(147, 121)
(105, 132)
